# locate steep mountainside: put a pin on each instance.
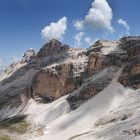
(63, 93)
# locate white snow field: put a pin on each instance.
(60, 123)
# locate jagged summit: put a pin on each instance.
(52, 47)
(29, 54)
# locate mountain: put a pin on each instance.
(64, 93)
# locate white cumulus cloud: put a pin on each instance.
(78, 38)
(125, 25)
(78, 24)
(99, 16)
(55, 30)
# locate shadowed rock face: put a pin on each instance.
(131, 74)
(92, 87)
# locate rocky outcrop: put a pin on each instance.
(52, 48)
(96, 62)
(131, 74)
(28, 55)
(92, 87)
(131, 45)
(58, 80)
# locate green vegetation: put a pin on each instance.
(4, 138)
(15, 124)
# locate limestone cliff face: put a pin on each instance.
(57, 70)
(58, 80)
(131, 74)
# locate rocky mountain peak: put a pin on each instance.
(53, 47)
(28, 55)
(106, 43)
(54, 43)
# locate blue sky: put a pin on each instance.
(22, 21)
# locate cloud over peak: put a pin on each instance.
(78, 37)
(125, 25)
(99, 16)
(55, 30)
